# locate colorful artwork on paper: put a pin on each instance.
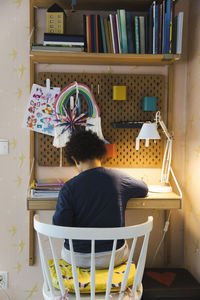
(40, 113)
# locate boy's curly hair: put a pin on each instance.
(83, 146)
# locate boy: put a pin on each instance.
(97, 197)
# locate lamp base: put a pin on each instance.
(160, 188)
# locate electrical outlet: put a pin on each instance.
(3, 280)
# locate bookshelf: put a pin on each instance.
(39, 57)
(94, 58)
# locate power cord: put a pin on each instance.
(162, 239)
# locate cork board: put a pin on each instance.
(138, 86)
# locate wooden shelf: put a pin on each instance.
(102, 58)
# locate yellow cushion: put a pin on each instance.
(84, 277)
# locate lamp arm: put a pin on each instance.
(167, 154)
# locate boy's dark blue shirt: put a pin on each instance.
(96, 198)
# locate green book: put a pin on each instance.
(123, 31)
(137, 44)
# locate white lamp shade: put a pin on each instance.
(149, 131)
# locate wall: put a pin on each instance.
(192, 142)
(24, 281)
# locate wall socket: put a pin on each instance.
(3, 280)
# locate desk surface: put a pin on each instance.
(151, 201)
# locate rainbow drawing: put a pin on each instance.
(64, 96)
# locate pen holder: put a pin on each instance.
(149, 104)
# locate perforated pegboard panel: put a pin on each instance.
(111, 111)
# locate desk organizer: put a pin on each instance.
(138, 86)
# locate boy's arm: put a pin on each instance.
(64, 214)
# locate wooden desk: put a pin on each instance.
(152, 201)
(161, 201)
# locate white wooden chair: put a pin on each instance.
(72, 233)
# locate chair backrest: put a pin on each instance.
(94, 234)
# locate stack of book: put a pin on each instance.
(156, 31)
(60, 43)
(46, 188)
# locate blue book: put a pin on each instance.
(137, 42)
(167, 25)
(129, 32)
(150, 48)
(163, 30)
(103, 35)
(93, 33)
(156, 29)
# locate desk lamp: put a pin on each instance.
(149, 131)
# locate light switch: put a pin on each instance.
(3, 146)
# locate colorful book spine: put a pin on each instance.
(123, 31)
(115, 33)
(167, 25)
(110, 36)
(112, 32)
(179, 32)
(119, 31)
(156, 29)
(103, 35)
(129, 30)
(107, 35)
(88, 30)
(163, 29)
(93, 34)
(150, 48)
(137, 43)
(142, 35)
(100, 35)
(97, 33)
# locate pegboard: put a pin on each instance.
(138, 86)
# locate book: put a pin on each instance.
(88, 30)
(112, 32)
(93, 33)
(100, 37)
(115, 33)
(142, 34)
(107, 35)
(174, 35)
(85, 33)
(154, 27)
(171, 27)
(123, 31)
(163, 28)
(179, 32)
(65, 39)
(103, 35)
(137, 41)
(167, 25)
(119, 31)
(97, 33)
(129, 30)
(110, 36)
(150, 46)
(61, 48)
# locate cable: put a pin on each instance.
(162, 239)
